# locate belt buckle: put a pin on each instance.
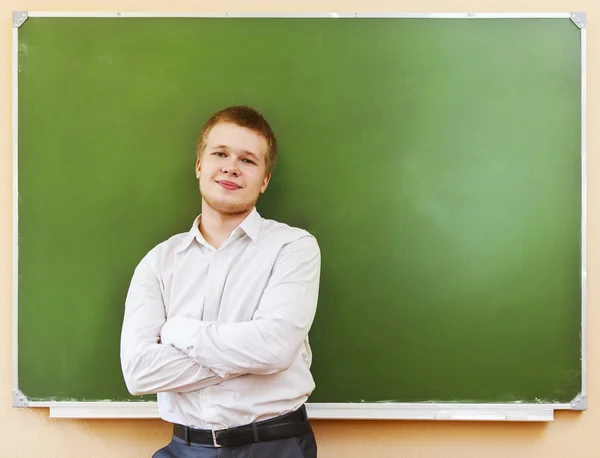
(214, 437)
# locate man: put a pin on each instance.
(217, 319)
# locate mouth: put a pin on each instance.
(229, 185)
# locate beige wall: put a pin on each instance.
(29, 432)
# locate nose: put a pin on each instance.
(231, 169)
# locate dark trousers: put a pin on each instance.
(293, 447)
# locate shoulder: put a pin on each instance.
(164, 250)
(275, 233)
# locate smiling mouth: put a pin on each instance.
(229, 185)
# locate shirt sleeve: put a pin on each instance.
(148, 366)
(271, 341)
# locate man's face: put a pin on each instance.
(231, 171)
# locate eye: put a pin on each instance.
(249, 161)
(219, 154)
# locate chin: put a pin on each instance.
(228, 207)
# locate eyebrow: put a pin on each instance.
(225, 147)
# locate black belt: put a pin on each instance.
(288, 425)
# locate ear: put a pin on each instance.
(198, 166)
(266, 180)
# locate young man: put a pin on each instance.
(217, 319)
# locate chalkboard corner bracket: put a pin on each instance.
(579, 19)
(19, 18)
(579, 402)
(19, 399)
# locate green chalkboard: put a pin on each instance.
(437, 161)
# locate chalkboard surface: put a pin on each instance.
(437, 161)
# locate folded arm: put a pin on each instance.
(271, 341)
(148, 366)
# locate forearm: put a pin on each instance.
(152, 368)
(259, 346)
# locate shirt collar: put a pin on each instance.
(250, 226)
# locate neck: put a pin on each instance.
(216, 227)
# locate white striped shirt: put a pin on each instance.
(222, 334)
